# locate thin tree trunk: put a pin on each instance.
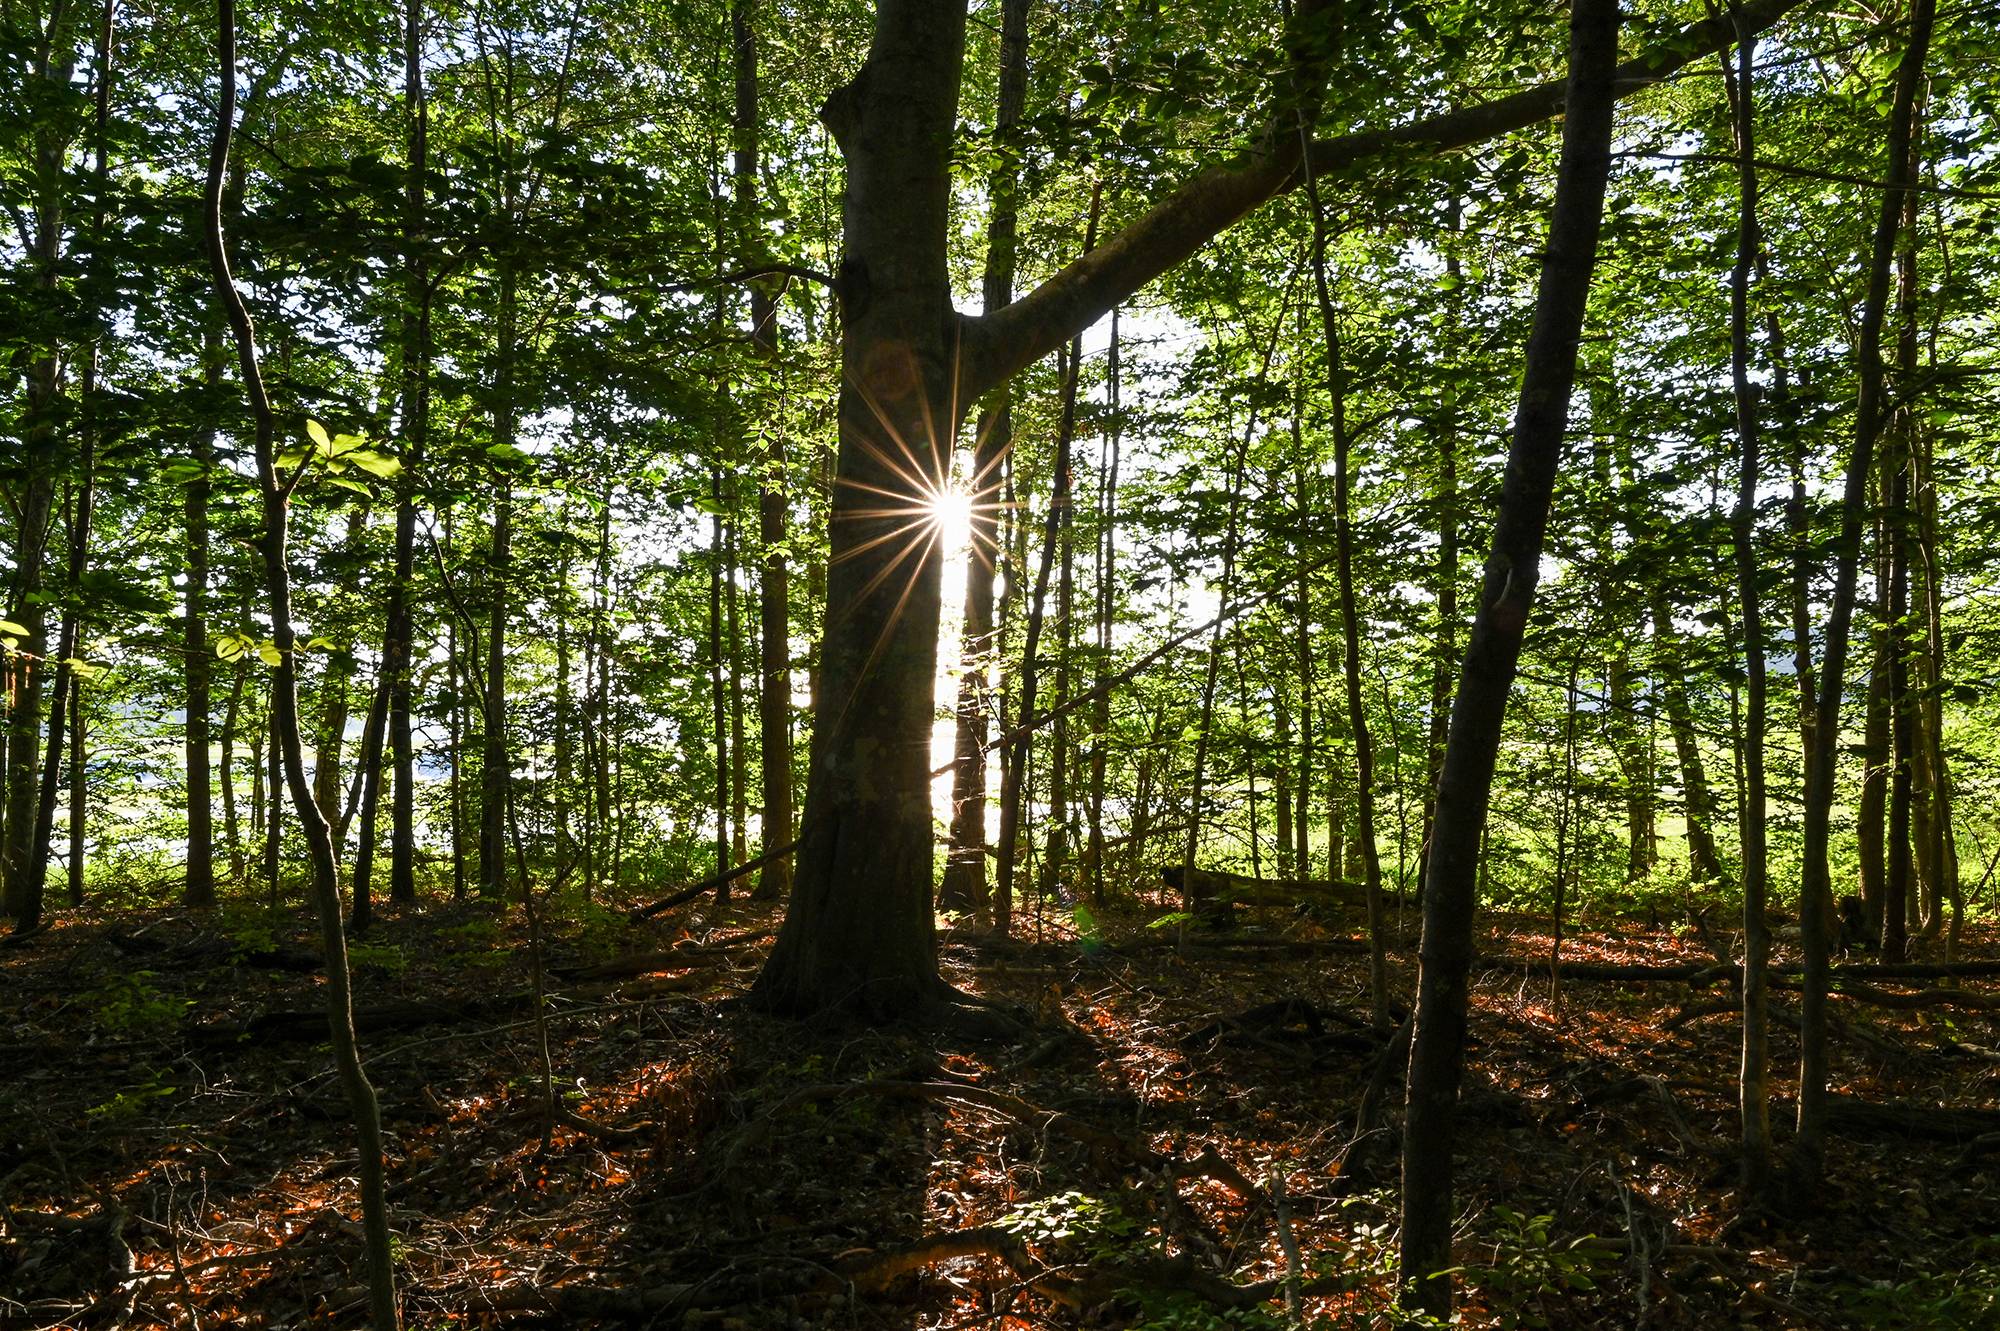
(369, 768)
(398, 645)
(494, 778)
(774, 678)
(226, 774)
(273, 494)
(1809, 1143)
(1565, 835)
(1107, 562)
(718, 696)
(1350, 621)
(1444, 574)
(964, 886)
(1437, 1048)
(739, 766)
(1697, 798)
(200, 890)
(1021, 745)
(1754, 1079)
(334, 682)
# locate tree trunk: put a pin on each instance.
(398, 646)
(494, 778)
(226, 773)
(739, 766)
(1350, 621)
(274, 495)
(1809, 1143)
(860, 931)
(717, 692)
(1697, 799)
(1754, 1080)
(368, 764)
(1107, 561)
(1021, 743)
(1437, 1051)
(199, 893)
(774, 677)
(964, 886)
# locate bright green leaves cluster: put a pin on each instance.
(338, 456)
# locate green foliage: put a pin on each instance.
(131, 1003)
(384, 957)
(1531, 1265)
(249, 929)
(129, 1103)
(1955, 1288)
(474, 942)
(1098, 1228)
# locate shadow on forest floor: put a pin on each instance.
(172, 1153)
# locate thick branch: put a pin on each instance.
(1219, 195)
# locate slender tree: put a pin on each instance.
(1437, 1044)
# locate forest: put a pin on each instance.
(1000, 664)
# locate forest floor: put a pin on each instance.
(1164, 1135)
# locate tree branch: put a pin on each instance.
(1000, 344)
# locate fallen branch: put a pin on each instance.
(713, 881)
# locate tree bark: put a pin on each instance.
(1754, 1079)
(774, 678)
(274, 496)
(964, 885)
(1350, 619)
(398, 646)
(1697, 799)
(860, 931)
(1809, 1143)
(1437, 1051)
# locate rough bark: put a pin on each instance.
(1437, 1048)
(860, 931)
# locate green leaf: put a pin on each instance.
(379, 465)
(269, 653)
(8, 626)
(317, 433)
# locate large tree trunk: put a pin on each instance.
(860, 930)
(1437, 1048)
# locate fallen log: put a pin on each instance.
(647, 963)
(1908, 1118)
(1219, 886)
(308, 1024)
